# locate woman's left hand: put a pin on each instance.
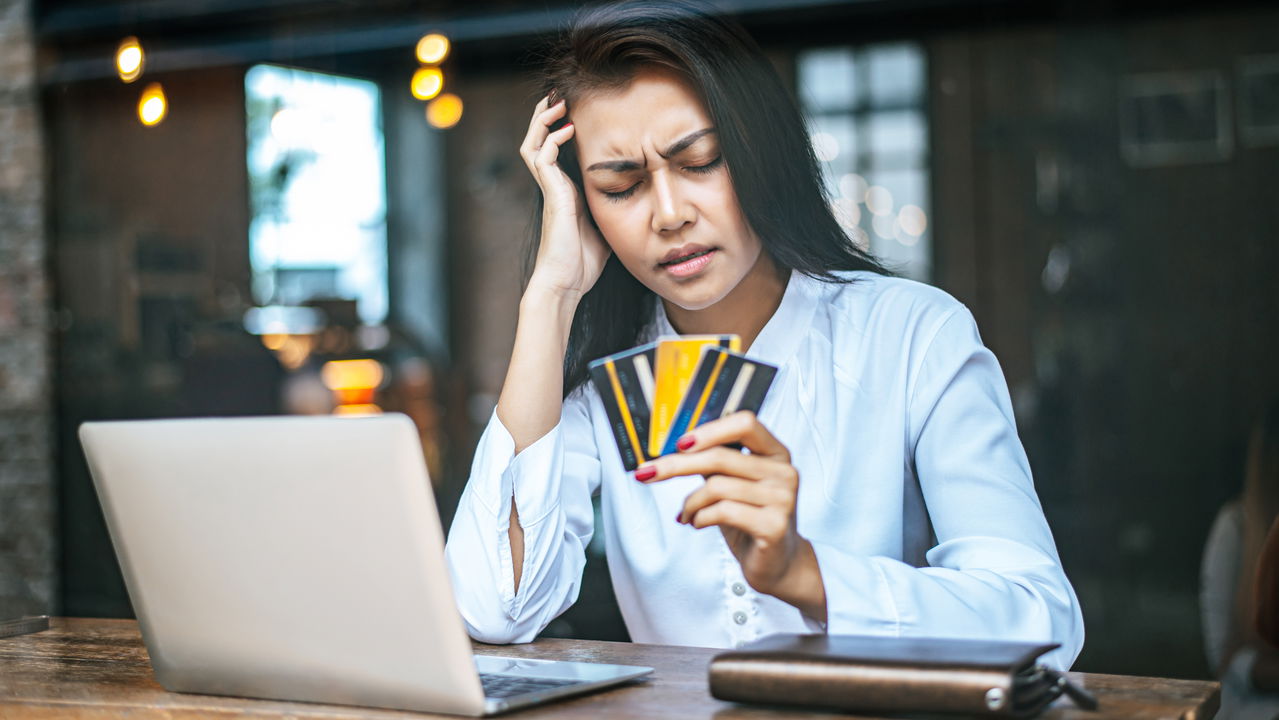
(751, 498)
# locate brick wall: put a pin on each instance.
(27, 560)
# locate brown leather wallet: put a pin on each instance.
(897, 675)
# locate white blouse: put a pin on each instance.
(914, 491)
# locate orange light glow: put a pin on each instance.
(339, 375)
(427, 83)
(366, 409)
(444, 111)
(433, 48)
(291, 350)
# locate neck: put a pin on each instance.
(744, 311)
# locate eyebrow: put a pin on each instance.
(679, 146)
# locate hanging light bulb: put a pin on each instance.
(444, 111)
(432, 49)
(153, 105)
(129, 59)
(427, 83)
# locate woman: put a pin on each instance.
(885, 490)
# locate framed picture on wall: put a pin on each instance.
(1174, 119)
(1259, 100)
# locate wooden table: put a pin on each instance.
(98, 669)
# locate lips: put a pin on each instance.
(684, 254)
(687, 264)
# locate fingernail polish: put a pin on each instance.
(679, 516)
(685, 442)
(567, 124)
(645, 473)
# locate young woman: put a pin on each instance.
(884, 490)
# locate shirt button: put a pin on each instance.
(739, 617)
(739, 589)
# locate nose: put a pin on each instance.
(671, 210)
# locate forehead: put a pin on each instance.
(653, 110)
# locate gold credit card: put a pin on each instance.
(723, 383)
(676, 361)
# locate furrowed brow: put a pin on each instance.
(682, 144)
(679, 146)
(617, 166)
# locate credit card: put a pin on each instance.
(625, 384)
(677, 359)
(723, 383)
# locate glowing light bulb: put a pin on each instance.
(433, 48)
(152, 106)
(427, 83)
(129, 59)
(444, 111)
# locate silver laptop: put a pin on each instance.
(301, 558)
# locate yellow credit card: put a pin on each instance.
(673, 370)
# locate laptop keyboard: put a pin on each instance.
(504, 686)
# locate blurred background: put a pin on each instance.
(225, 207)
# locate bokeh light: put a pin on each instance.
(427, 83)
(444, 111)
(152, 106)
(847, 211)
(879, 201)
(825, 146)
(432, 49)
(352, 374)
(129, 59)
(853, 187)
(913, 220)
(884, 225)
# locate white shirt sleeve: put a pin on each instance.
(994, 572)
(551, 483)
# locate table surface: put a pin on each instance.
(90, 668)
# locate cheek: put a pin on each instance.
(617, 226)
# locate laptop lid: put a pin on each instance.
(296, 558)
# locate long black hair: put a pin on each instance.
(762, 139)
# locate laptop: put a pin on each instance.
(301, 558)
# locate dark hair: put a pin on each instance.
(762, 139)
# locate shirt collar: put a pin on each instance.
(779, 339)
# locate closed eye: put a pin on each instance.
(621, 194)
(708, 167)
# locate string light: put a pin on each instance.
(433, 48)
(129, 59)
(152, 106)
(444, 111)
(427, 83)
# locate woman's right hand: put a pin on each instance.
(571, 254)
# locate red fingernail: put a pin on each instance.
(645, 473)
(678, 517)
(686, 442)
(567, 124)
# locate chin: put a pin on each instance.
(693, 299)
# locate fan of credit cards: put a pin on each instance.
(655, 393)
